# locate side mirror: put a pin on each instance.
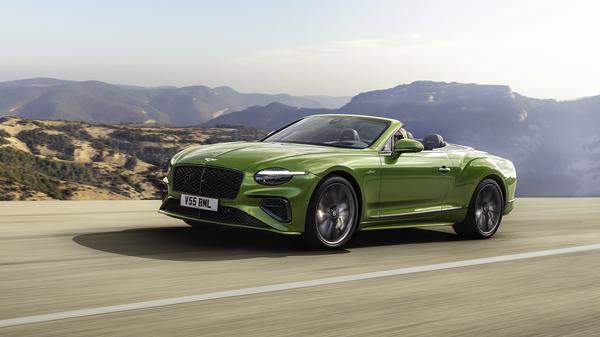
(406, 146)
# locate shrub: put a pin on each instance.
(3, 136)
(74, 130)
(135, 135)
(59, 143)
(130, 163)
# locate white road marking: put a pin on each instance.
(289, 286)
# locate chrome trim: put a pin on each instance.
(416, 213)
(202, 181)
(455, 208)
(405, 214)
(511, 201)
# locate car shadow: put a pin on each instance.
(216, 244)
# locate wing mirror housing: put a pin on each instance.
(406, 146)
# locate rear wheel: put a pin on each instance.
(332, 214)
(485, 212)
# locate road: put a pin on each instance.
(60, 257)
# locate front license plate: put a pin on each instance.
(197, 202)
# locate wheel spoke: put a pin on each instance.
(325, 227)
(490, 222)
(327, 200)
(321, 215)
(478, 216)
(343, 211)
(488, 196)
(337, 194)
(331, 231)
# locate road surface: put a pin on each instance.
(117, 268)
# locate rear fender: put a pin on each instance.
(475, 171)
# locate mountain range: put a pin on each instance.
(555, 145)
(100, 102)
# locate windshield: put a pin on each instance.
(350, 132)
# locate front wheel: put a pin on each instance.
(332, 214)
(485, 212)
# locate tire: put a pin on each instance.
(485, 212)
(332, 214)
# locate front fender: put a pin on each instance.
(364, 175)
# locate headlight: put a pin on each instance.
(276, 176)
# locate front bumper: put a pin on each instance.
(245, 210)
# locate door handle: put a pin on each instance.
(444, 169)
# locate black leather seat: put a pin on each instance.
(349, 135)
(433, 141)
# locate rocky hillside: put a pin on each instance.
(73, 160)
(100, 102)
(269, 117)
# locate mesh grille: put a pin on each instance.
(225, 214)
(207, 181)
(277, 208)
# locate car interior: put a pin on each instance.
(430, 142)
(433, 141)
(349, 135)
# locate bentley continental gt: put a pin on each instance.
(327, 176)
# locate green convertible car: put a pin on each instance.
(326, 176)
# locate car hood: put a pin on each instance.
(244, 155)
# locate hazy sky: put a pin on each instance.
(540, 48)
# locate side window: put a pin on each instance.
(400, 134)
(390, 142)
(388, 145)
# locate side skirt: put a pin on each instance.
(446, 216)
(406, 225)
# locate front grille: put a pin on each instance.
(207, 181)
(225, 214)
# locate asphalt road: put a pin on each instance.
(57, 257)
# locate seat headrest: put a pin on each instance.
(349, 134)
(433, 141)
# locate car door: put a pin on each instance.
(413, 185)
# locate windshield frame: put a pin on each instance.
(387, 124)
